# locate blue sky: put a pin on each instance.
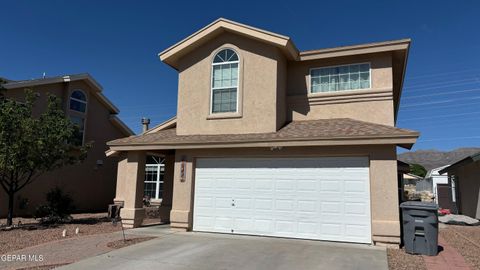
(118, 41)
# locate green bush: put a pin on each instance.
(58, 208)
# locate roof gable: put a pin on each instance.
(95, 87)
(172, 54)
(168, 124)
(89, 80)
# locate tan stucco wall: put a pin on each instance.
(273, 90)
(469, 188)
(258, 83)
(372, 105)
(282, 69)
(383, 182)
(92, 187)
(130, 187)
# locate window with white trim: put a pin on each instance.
(340, 78)
(78, 101)
(224, 95)
(154, 174)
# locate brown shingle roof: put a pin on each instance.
(297, 130)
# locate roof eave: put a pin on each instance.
(404, 71)
(377, 47)
(164, 125)
(403, 141)
(121, 125)
(89, 80)
(467, 160)
(60, 79)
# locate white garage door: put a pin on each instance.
(311, 198)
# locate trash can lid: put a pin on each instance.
(419, 205)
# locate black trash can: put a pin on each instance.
(420, 227)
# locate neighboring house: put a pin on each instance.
(91, 183)
(434, 178)
(272, 141)
(411, 178)
(407, 181)
(465, 176)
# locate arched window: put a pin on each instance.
(78, 101)
(225, 82)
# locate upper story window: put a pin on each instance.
(78, 108)
(224, 82)
(78, 101)
(79, 122)
(340, 78)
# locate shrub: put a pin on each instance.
(58, 208)
(23, 203)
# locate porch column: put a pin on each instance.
(130, 184)
(166, 205)
(181, 214)
(384, 197)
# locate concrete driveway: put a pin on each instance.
(192, 250)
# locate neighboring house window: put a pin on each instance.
(154, 174)
(78, 108)
(225, 82)
(79, 122)
(339, 78)
(78, 101)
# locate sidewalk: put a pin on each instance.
(447, 259)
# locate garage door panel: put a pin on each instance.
(331, 230)
(263, 226)
(356, 208)
(306, 206)
(307, 228)
(355, 230)
(314, 198)
(331, 208)
(335, 186)
(263, 204)
(242, 183)
(262, 184)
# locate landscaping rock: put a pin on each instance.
(458, 220)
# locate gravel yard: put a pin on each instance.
(31, 233)
(466, 240)
(398, 259)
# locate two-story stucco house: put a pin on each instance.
(272, 141)
(91, 184)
